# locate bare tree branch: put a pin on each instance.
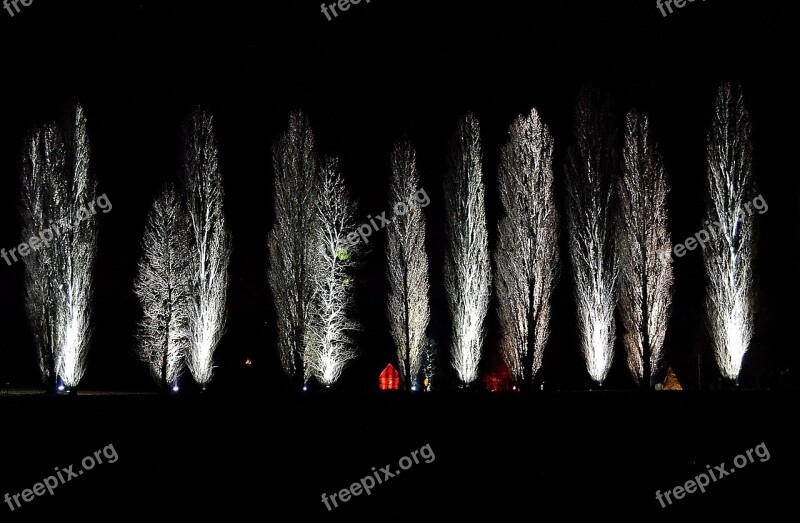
(210, 244)
(645, 283)
(590, 172)
(468, 276)
(408, 308)
(57, 190)
(730, 302)
(163, 286)
(291, 240)
(526, 256)
(329, 345)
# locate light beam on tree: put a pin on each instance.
(57, 190)
(729, 256)
(526, 256)
(590, 174)
(468, 275)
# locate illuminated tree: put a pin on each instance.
(526, 256)
(645, 280)
(329, 345)
(162, 287)
(590, 172)
(291, 240)
(57, 194)
(210, 244)
(728, 257)
(408, 308)
(467, 274)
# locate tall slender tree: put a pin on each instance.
(163, 286)
(590, 169)
(645, 283)
(291, 240)
(210, 244)
(329, 346)
(468, 276)
(42, 170)
(57, 194)
(408, 308)
(730, 302)
(526, 256)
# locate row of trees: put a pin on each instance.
(622, 258)
(56, 184)
(618, 236)
(616, 217)
(312, 264)
(619, 247)
(182, 281)
(619, 242)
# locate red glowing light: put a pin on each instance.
(390, 379)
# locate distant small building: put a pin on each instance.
(389, 379)
(671, 381)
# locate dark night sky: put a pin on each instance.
(377, 72)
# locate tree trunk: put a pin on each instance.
(166, 346)
(527, 366)
(646, 371)
(407, 362)
(299, 377)
(169, 320)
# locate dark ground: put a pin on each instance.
(591, 456)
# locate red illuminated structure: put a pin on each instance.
(390, 379)
(498, 379)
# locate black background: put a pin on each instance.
(366, 78)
